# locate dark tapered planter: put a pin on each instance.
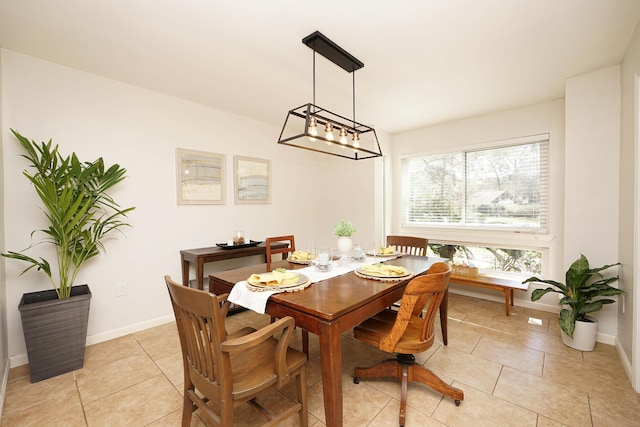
(55, 331)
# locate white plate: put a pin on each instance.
(382, 276)
(287, 284)
(375, 253)
(300, 261)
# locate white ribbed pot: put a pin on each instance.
(584, 336)
(345, 244)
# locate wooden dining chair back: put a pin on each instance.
(230, 369)
(273, 251)
(268, 257)
(409, 245)
(406, 332)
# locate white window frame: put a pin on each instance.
(477, 236)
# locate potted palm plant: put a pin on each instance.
(581, 295)
(80, 215)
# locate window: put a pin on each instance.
(518, 261)
(503, 187)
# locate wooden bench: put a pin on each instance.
(497, 283)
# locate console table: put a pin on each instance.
(201, 256)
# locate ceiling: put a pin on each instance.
(426, 61)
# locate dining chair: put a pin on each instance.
(290, 249)
(272, 251)
(231, 369)
(406, 332)
(418, 246)
(409, 245)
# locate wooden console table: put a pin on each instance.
(201, 256)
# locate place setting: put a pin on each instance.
(254, 292)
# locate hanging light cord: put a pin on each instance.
(314, 82)
(354, 99)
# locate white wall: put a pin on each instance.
(628, 329)
(592, 156)
(4, 354)
(140, 129)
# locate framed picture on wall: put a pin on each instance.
(252, 180)
(200, 177)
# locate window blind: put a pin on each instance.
(499, 187)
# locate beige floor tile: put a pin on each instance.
(604, 356)
(23, 395)
(160, 341)
(582, 375)
(487, 332)
(620, 410)
(63, 411)
(548, 343)
(390, 414)
(532, 322)
(419, 396)
(361, 403)
(138, 405)
(18, 372)
(173, 368)
(112, 350)
(494, 324)
(463, 339)
(546, 422)
(475, 371)
(545, 397)
(175, 419)
(358, 354)
(98, 382)
(521, 358)
(480, 409)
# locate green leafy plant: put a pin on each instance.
(344, 229)
(583, 285)
(80, 212)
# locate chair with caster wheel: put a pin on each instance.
(406, 332)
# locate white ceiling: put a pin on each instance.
(426, 61)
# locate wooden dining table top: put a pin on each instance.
(328, 299)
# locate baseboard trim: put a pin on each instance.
(3, 386)
(626, 363)
(22, 359)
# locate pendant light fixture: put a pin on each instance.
(314, 128)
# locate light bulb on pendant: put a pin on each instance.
(328, 131)
(313, 128)
(356, 140)
(343, 136)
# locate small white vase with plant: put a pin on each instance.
(344, 230)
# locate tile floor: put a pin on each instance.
(513, 374)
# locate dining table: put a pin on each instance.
(328, 308)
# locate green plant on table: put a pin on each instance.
(80, 212)
(344, 229)
(583, 285)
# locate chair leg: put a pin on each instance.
(301, 385)
(386, 368)
(404, 368)
(428, 378)
(187, 410)
(305, 342)
(404, 386)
